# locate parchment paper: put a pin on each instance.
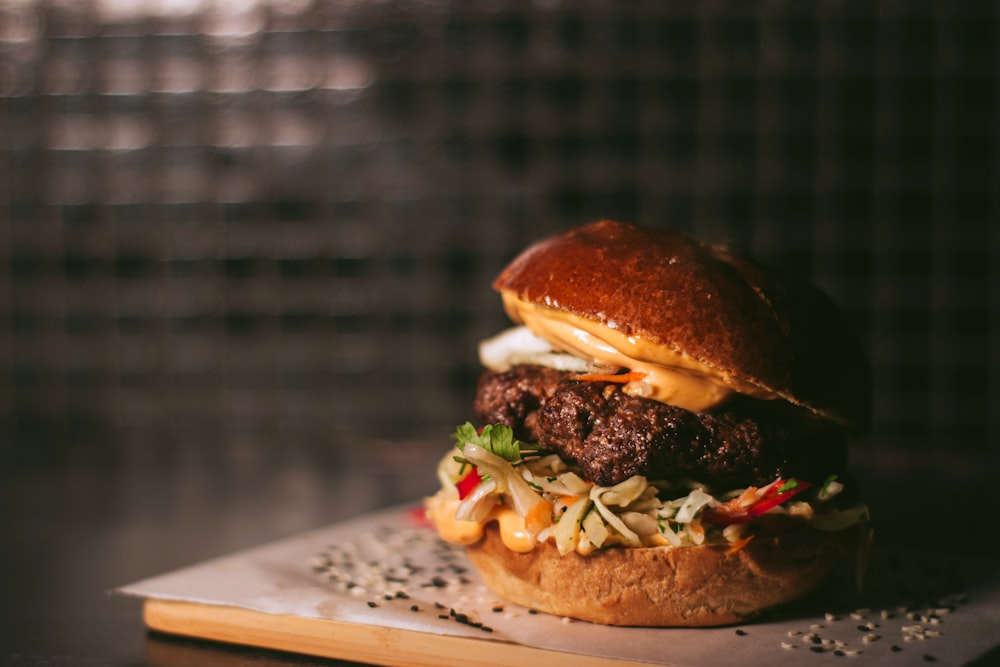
(386, 569)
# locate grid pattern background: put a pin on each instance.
(276, 221)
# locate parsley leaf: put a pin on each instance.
(496, 438)
(788, 485)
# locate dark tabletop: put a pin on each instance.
(78, 526)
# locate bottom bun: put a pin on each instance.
(684, 586)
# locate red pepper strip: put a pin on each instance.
(468, 483)
(623, 378)
(767, 503)
(730, 513)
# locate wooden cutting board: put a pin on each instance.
(273, 596)
(395, 647)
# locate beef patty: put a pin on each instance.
(612, 436)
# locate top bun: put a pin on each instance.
(705, 303)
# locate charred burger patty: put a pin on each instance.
(612, 436)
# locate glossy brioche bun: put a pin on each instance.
(662, 587)
(720, 309)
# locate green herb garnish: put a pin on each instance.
(495, 438)
(788, 485)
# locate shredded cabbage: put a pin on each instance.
(559, 505)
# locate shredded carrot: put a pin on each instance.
(748, 496)
(623, 378)
(538, 518)
(736, 506)
(739, 544)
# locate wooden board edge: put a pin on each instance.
(393, 647)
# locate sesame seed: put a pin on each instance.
(740, 632)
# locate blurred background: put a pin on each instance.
(262, 232)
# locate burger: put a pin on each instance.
(661, 437)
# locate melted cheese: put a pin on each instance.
(670, 376)
(456, 531)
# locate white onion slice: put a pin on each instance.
(518, 345)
